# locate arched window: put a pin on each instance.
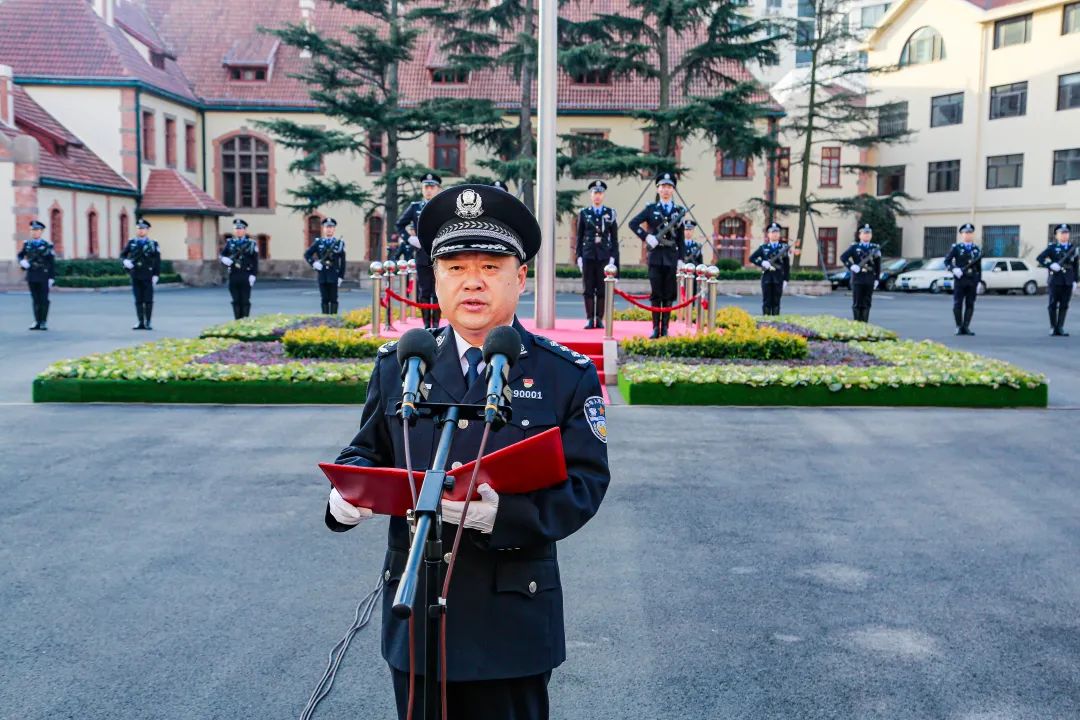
(924, 46)
(732, 241)
(733, 227)
(56, 231)
(124, 228)
(92, 234)
(314, 229)
(245, 172)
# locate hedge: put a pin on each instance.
(327, 342)
(90, 267)
(261, 328)
(640, 272)
(252, 392)
(99, 281)
(828, 327)
(741, 343)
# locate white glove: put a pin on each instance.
(251, 280)
(226, 261)
(25, 264)
(344, 511)
(414, 241)
(51, 282)
(128, 264)
(339, 281)
(856, 269)
(785, 286)
(317, 265)
(766, 265)
(611, 261)
(154, 279)
(957, 272)
(651, 241)
(1056, 267)
(1074, 287)
(580, 265)
(481, 512)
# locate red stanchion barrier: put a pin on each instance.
(650, 308)
(423, 306)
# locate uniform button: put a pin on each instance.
(532, 587)
(455, 465)
(386, 576)
(525, 422)
(462, 424)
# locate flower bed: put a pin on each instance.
(327, 342)
(263, 328)
(827, 327)
(739, 342)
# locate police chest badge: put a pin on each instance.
(596, 414)
(469, 205)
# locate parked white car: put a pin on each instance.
(1005, 274)
(931, 276)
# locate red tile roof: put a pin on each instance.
(167, 191)
(132, 18)
(67, 39)
(64, 158)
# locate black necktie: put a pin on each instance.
(474, 356)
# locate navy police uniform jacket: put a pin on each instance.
(42, 259)
(597, 234)
(145, 254)
(244, 254)
(411, 216)
(1067, 257)
(505, 606)
(867, 254)
(672, 247)
(331, 253)
(967, 258)
(781, 270)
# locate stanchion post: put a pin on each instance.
(714, 282)
(403, 282)
(389, 272)
(688, 281)
(610, 278)
(376, 297)
(411, 293)
(702, 272)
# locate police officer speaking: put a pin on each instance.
(327, 257)
(597, 246)
(964, 261)
(863, 260)
(430, 185)
(39, 261)
(241, 256)
(660, 227)
(142, 259)
(772, 258)
(504, 619)
(1062, 259)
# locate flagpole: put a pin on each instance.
(548, 80)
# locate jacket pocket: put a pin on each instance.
(526, 577)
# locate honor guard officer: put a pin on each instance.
(597, 247)
(692, 250)
(142, 258)
(965, 262)
(663, 233)
(1062, 259)
(327, 257)
(501, 185)
(402, 252)
(504, 618)
(39, 261)
(241, 256)
(430, 185)
(772, 258)
(863, 260)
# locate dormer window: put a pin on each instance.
(247, 74)
(157, 60)
(449, 76)
(593, 77)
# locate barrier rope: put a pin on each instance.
(632, 301)
(391, 295)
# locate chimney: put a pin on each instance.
(7, 97)
(106, 9)
(307, 7)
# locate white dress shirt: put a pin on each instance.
(462, 346)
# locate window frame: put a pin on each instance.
(373, 161)
(190, 147)
(783, 167)
(449, 76)
(1066, 12)
(1074, 90)
(1054, 166)
(893, 118)
(255, 173)
(1026, 19)
(882, 175)
(937, 48)
(933, 108)
(932, 173)
(149, 139)
(170, 141)
(441, 144)
(996, 97)
(828, 242)
(830, 165)
(996, 168)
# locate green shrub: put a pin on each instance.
(728, 264)
(328, 342)
(736, 343)
(260, 328)
(91, 267)
(98, 281)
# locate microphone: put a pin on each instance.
(501, 349)
(416, 353)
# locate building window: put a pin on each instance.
(314, 230)
(1001, 240)
(157, 60)
(449, 76)
(245, 176)
(1008, 100)
(262, 240)
(585, 141)
(447, 152)
(56, 231)
(938, 240)
(311, 163)
(170, 142)
(374, 158)
(783, 167)
(247, 74)
(872, 14)
(125, 229)
(830, 167)
(1066, 166)
(804, 40)
(734, 167)
(92, 242)
(891, 180)
(827, 237)
(189, 147)
(1070, 21)
(148, 136)
(1004, 171)
(1068, 91)
(593, 77)
(947, 110)
(924, 46)
(944, 176)
(374, 235)
(1012, 31)
(892, 119)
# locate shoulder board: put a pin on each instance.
(614, 215)
(387, 348)
(571, 356)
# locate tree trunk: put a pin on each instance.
(808, 145)
(664, 142)
(525, 114)
(390, 201)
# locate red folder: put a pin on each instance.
(535, 463)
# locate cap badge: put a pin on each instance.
(469, 205)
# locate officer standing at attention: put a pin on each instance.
(430, 185)
(597, 247)
(327, 257)
(241, 256)
(39, 261)
(504, 622)
(772, 258)
(965, 262)
(663, 233)
(863, 259)
(142, 259)
(1062, 259)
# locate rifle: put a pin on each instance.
(1069, 257)
(235, 249)
(976, 256)
(328, 249)
(875, 252)
(778, 255)
(676, 219)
